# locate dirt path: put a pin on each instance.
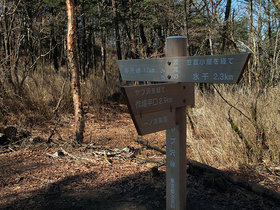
(31, 178)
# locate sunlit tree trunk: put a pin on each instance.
(75, 77)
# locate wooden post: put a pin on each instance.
(176, 141)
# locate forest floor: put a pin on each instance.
(112, 171)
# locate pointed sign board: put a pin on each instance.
(154, 121)
(152, 107)
(193, 69)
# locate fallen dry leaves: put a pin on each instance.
(110, 171)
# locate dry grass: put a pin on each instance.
(214, 140)
(35, 105)
(42, 91)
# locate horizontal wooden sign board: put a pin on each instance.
(154, 121)
(192, 69)
(152, 107)
(150, 98)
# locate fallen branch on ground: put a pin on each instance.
(148, 146)
(198, 169)
(142, 161)
(105, 153)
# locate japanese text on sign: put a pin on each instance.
(149, 91)
(156, 121)
(209, 61)
(175, 66)
(172, 151)
(172, 193)
(192, 69)
(214, 76)
(138, 70)
(152, 102)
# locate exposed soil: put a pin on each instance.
(112, 171)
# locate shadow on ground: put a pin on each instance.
(141, 191)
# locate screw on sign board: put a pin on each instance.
(163, 106)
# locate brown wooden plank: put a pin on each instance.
(150, 98)
(154, 121)
(226, 69)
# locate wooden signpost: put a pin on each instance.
(163, 106)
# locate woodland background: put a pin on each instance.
(230, 124)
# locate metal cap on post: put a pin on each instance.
(176, 46)
(176, 141)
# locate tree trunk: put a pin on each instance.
(269, 32)
(258, 68)
(103, 33)
(103, 55)
(187, 9)
(146, 50)
(84, 46)
(55, 54)
(250, 39)
(134, 50)
(225, 28)
(94, 53)
(117, 31)
(7, 33)
(75, 77)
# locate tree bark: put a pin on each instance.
(103, 33)
(134, 51)
(84, 46)
(250, 39)
(117, 31)
(55, 53)
(103, 54)
(75, 77)
(187, 9)
(7, 36)
(225, 28)
(146, 50)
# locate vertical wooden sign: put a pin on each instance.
(176, 141)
